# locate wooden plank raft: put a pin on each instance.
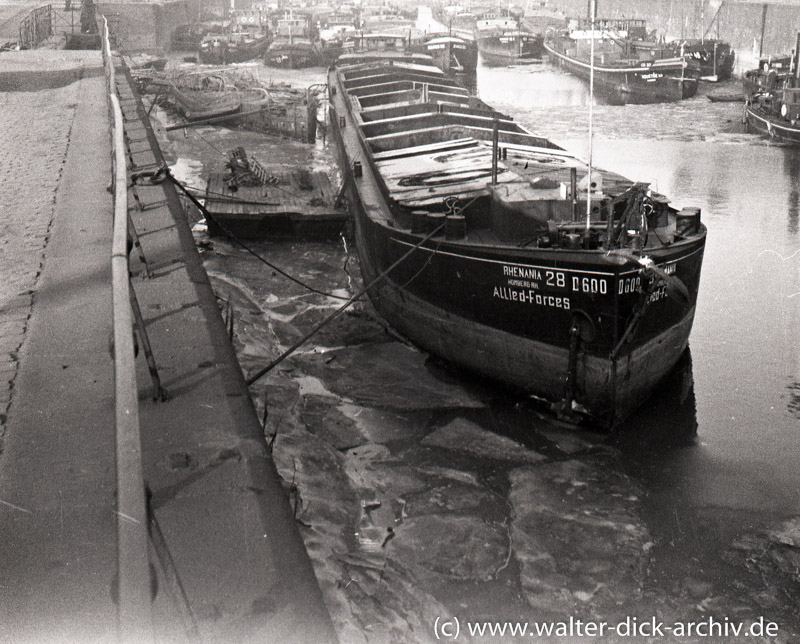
(251, 202)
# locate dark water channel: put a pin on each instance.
(423, 493)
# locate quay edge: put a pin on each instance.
(220, 505)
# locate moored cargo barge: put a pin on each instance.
(622, 73)
(501, 267)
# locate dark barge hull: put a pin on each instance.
(228, 52)
(291, 55)
(642, 84)
(467, 58)
(298, 205)
(612, 389)
(460, 58)
(291, 113)
(242, 52)
(454, 298)
(714, 60)
(201, 106)
(774, 127)
(707, 60)
(494, 52)
(260, 226)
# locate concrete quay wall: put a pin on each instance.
(229, 562)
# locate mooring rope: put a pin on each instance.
(238, 241)
(252, 379)
(351, 300)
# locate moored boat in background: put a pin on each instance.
(212, 48)
(203, 96)
(707, 60)
(187, 37)
(713, 59)
(770, 74)
(452, 53)
(245, 38)
(509, 47)
(234, 47)
(364, 47)
(622, 73)
(772, 103)
(501, 41)
(473, 244)
(292, 46)
(244, 46)
(332, 38)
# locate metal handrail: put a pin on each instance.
(135, 620)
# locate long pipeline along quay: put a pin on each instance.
(220, 557)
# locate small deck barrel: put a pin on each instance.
(419, 221)
(455, 227)
(435, 219)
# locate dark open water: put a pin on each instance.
(717, 448)
(742, 469)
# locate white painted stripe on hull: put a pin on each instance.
(534, 366)
(435, 251)
(776, 126)
(616, 70)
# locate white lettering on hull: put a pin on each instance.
(530, 297)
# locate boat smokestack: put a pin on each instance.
(495, 138)
(592, 18)
(797, 56)
(573, 191)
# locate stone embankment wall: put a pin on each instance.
(147, 26)
(738, 24)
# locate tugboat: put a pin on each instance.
(772, 99)
(244, 40)
(499, 251)
(771, 73)
(624, 73)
